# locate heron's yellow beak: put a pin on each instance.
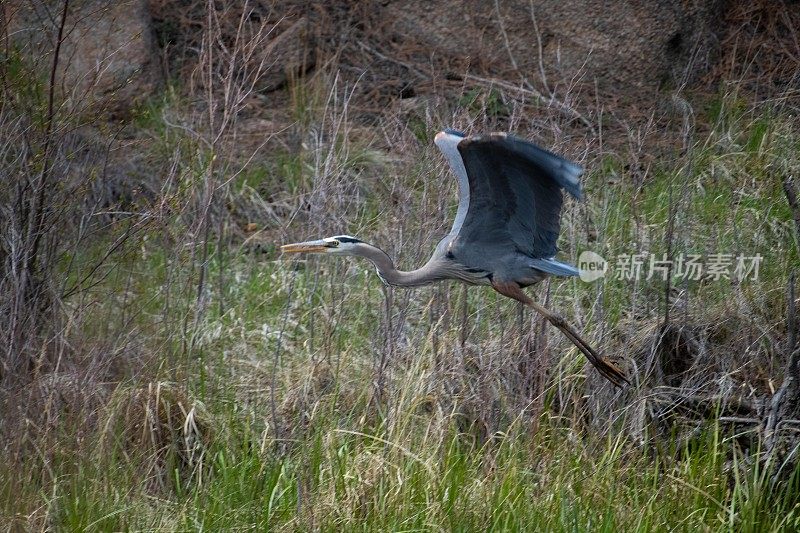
(307, 247)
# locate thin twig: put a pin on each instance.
(791, 197)
(38, 229)
(276, 358)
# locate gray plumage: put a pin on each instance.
(509, 213)
(505, 230)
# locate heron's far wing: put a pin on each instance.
(515, 193)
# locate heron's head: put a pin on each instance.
(339, 244)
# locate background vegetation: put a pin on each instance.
(163, 369)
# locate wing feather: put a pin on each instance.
(515, 196)
(448, 144)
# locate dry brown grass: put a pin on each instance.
(164, 347)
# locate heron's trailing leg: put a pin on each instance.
(608, 370)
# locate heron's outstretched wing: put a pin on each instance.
(448, 142)
(514, 196)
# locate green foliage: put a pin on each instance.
(23, 85)
(346, 479)
(725, 200)
(482, 102)
(277, 360)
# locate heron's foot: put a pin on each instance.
(607, 369)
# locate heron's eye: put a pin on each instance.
(334, 243)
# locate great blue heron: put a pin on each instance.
(505, 231)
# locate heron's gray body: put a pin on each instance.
(505, 230)
(508, 217)
(453, 258)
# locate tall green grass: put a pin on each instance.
(264, 411)
(371, 479)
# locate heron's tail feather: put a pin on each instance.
(556, 268)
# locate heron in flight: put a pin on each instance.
(505, 231)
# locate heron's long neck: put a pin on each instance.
(387, 271)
